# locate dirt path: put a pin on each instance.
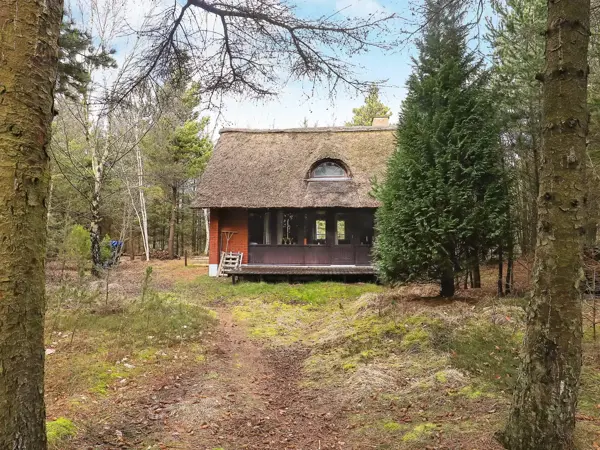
(248, 397)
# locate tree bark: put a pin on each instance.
(28, 61)
(131, 243)
(95, 231)
(447, 280)
(172, 221)
(542, 415)
(143, 215)
(500, 282)
(509, 269)
(475, 273)
(194, 237)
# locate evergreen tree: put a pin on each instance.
(444, 198)
(372, 108)
(178, 147)
(76, 57)
(517, 40)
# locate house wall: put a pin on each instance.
(221, 220)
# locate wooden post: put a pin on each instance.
(185, 257)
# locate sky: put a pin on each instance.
(297, 102)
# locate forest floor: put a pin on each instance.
(175, 360)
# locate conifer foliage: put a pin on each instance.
(445, 197)
(373, 108)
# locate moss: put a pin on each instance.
(103, 375)
(470, 392)
(367, 355)
(441, 376)
(276, 321)
(391, 426)
(59, 430)
(317, 293)
(147, 354)
(419, 432)
(349, 366)
(489, 352)
(417, 339)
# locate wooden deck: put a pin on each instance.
(256, 269)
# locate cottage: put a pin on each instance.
(295, 201)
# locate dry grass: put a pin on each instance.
(405, 368)
(415, 369)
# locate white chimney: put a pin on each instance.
(381, 122)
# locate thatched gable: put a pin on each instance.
(269, 168)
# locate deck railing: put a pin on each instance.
(310, 255)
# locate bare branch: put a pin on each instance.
(255, 47)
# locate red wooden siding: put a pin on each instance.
(235, 220)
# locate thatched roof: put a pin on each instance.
(269, 168)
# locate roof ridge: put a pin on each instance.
(307, 130)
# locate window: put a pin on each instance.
(320, 230)
(341, 230)
(258, 228)
(329, 169)
(290, 227)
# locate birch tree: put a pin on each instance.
(28, 69)
(97, 119)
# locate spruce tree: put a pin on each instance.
(373, 107)
(444, 198)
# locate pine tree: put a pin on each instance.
(544, 406)
(444, 198)
(76, 57)
(28, 61)
(372, 108)
(178, 147)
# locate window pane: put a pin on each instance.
(321, 230)
(290, 228)
(341, 230)
(256, 228)
(328, 169)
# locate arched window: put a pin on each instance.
(328, 169)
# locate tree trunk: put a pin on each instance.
(535, 175)
(95, 233)
(131, 243)
(143, 211)
(542, 415)
(28, 61)
(509, 269)
(500, 271)
(172, 222)
(447, 280)
(475, 273)
(181, 222)
(207, 230)
(194, 237)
